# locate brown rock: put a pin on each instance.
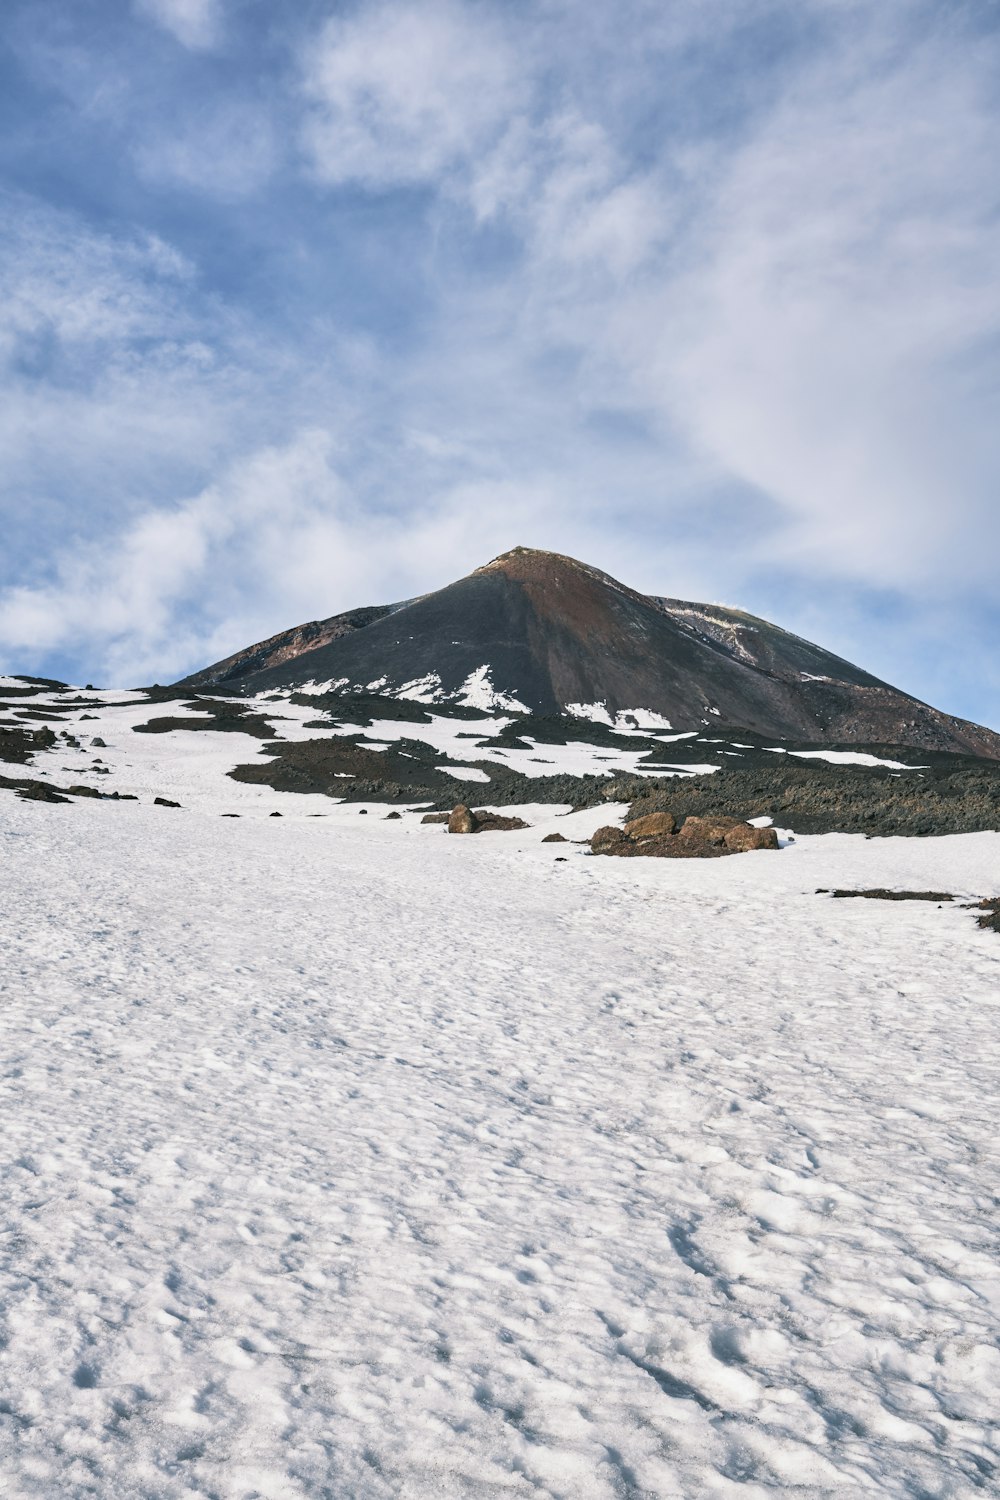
(708, 830)
(435, 817)
(486, 822)
(606, 839)
(83, 791)
(461, 820)
(746, 837)
(553, 838)
(654, 825)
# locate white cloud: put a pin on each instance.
(828, 340)
(196, 24)
(402, 92)
(278, 539)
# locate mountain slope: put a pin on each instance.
(544, 633)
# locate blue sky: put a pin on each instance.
(317, 305)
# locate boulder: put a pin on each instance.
(487, 822)
(606, 839)
(654, 825)
(553, 838)
(744, 837)
(83, 791)
(166, 802)
(390, 816)
(461, 820)
(435, 817)
(708, 830)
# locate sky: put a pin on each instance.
(305, 307)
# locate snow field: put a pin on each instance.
(347, 1163)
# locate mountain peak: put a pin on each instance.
(539, 631)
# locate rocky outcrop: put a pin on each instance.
(653, 825)
(653, 836)
(463, 820)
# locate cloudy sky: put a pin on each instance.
(316, 305)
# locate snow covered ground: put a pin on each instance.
(344, 1158)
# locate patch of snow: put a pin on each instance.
(333, 686)
(421, 689)
(597, 713)
(464, 773)
(477, 691)
(640, 718)
(847, 758)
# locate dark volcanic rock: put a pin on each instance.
(846, 799)
(879, 893)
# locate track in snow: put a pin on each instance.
(345, 1160)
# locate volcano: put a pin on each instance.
(540, 633)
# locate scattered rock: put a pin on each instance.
(554, 838)
(362, 812)
(745, 837)
(606, 839)
(230, 815)
(166, 802)
(435, 817)
(708, 830)
(652, 836)
(43, 737)
(653, 825)
(461, 820)
(275, 815)
(990, 918)
(83, 791)
(101, 744)
(390, 816)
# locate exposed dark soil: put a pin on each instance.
(217, 714)
(16, 745)
(879, 894)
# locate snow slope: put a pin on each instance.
(344, 1158)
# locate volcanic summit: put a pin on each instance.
(539, 632)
